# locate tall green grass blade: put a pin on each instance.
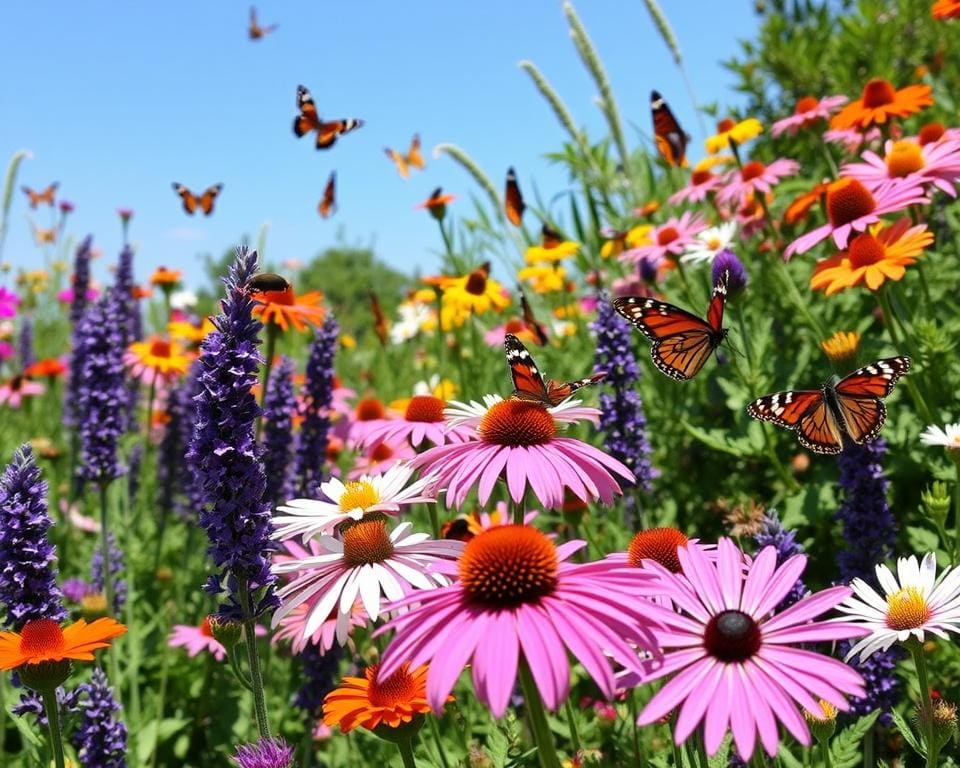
(470, 166)
(555, 102)
(8, 185)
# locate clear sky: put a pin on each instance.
(117, 100)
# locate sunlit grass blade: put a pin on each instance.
(8, 185)
(470, 166)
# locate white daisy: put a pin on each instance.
(948, 436)
(709, 243)
(366, 563)
(384, 493)
(414, 318)
(915, 602)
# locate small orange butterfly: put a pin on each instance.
(413, 157)
(380, 325)
(328, 203)
(192, 202)
(670, 138)
(46, 196)
(512, 199)
(44, 236)
(255, 31)
(308, 120)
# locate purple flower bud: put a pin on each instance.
(727, 261)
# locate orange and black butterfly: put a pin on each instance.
(412, 158)
(328, 203)
(46, 196)
(380, 326)
(308, 120)
(682, 342)
(549, 237)
(44, 236)
(670, 138)
(192, 202)
(513, 204)
(849, 407)
(255, 31)
(528, 382)
(535, 327)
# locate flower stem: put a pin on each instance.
(105, 549)
(53, 724)
(637, 750)
(572, 725)
(406, 753)
(271, 345)
(546, 750)
(955, 555)
(926, 702)
(448, 246)
(435, 730)
(253, 659)
(148, 422)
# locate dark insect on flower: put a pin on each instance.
(267, 281)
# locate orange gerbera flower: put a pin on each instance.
(139, 292)
(284, 308)
(946, 9)
(881, 101)
(44, 640)
(165, 277)
(801, 205)
(881, 254)
(156, 357)
(365, 702)
(51, 367)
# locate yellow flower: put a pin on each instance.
(424, 296)
(567, 311)
(842, 348)
(712, 161)
(550, 254)
(187, 331)
(623, 241)
(475, 292)
(156, 357)
(543, 279)
(740, 132)
(347, 341)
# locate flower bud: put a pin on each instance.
(225, 631)
(936, 502)
(823, 724)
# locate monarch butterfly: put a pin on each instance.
(513, 200)
(191, 201)
(328, 203)
(850, 406)
(413, 157)
(550, 238)
(682, 342)
(46, 196)
(380, 326)
(536, 328)
(670, 138)
(308, 120)
(44, 236)
(255, 31)
(528, 382)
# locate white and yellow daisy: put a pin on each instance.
(707, 244)
(948, 436)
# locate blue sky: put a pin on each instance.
(117, 100)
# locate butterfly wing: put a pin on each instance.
(329, 200)
(539, 332)
(528, 383)
(328, 133)
(187, 197)
(805, 411)
(307, 120)
(33, 195)
(208, 197)
(717, 303)
(400, 161)
(379, 319)
(414, 156)
(513, 200)
(858, 396)
(670, 138)
(557, 391)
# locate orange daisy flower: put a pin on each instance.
(164, 277)
(436, 204)
(139, 292)
(801, 205)
(881, 254)
(51, 367)
(284, 308)
(946, 9)
(366, 702)
(44, 640)
(156, 357)
(881, 101)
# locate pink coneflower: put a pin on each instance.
(669, 239)
(367, 563)
(66, 295)
(733, 659)
(9, 301)
(937, 163)
(14, 391)
(379, 458)
(931, 133)
(72, 514)
(368, 412)
(6, 350)
(517, 601)
(851, 139)
(851, 207)
(517, 440)
(807, 112)
(197, 639)
(755, 178)
(422, 420)
(702, 183)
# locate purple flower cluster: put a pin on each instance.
(28, 574)
(130, 326)
(622, 419)
(100, 738)
(78, 305)
(266, 753)
(117, 567)
(278, 408)
(25, 343)
(134, 460)
(317, 396)
(102, 392)
(225, 454)
(319, 673)
(185, 406)
(773, 534)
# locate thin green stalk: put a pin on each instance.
(956, 517)
(637, 750)
(53, 725)
(546, 749)
(434, 520)
(162, 693)
(253, 659)
(272, 332)
(888, 321)
(926, 702)
(572, 725)
(406, 753)
(148, 421)
(435, 731)
(447, 245)
(132, 645)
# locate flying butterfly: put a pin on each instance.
(328, 203)
(851, 406)
(308, 120)
(535, 327)
(528, 382)
(513, 204)
(380, 326)
(44, 236)
(670, 138)
(549, 237)
(254, 30)
(44, 196)
(682, 342)
(192, 202)
(413, 157)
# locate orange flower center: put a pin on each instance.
(700, 177)
(907, 609)
(848, 200)
(41, 637)
(752, 170)
(517, 422)
(370, 409)
(667, 235)
(397, 689)
(381, 453)
(805, 105)
(160, 348)
(508, 565)
(904, 158)
(658, 544)
(931, 133)
(477, 282)
(877, 93)
(424, 408)
(865, 250)
(367, 542)
(725, 125)
(205, 628)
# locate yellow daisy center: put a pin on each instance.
(725, 125)
(907, 609)
(358, 494)
(904, 158)
(160, 348)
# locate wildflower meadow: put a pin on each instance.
(658, 468)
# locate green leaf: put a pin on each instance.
(907, 732)
(787, 759)
(922, 539)
(845, 747)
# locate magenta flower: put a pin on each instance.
(66, 207)
(851, 208)
(754, 178)
(422, 420)
(125, 214)
(6, 350)
(701, 184)
(850, 138)
(807, 112)
(517, 440)
(669, 239)
(17, 389)
(9, 301)
(197, 639)
(518, 599)
(66, 295)
(733, 660)
(937, 163)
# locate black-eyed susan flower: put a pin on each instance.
(475, 292)
(730, 130)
